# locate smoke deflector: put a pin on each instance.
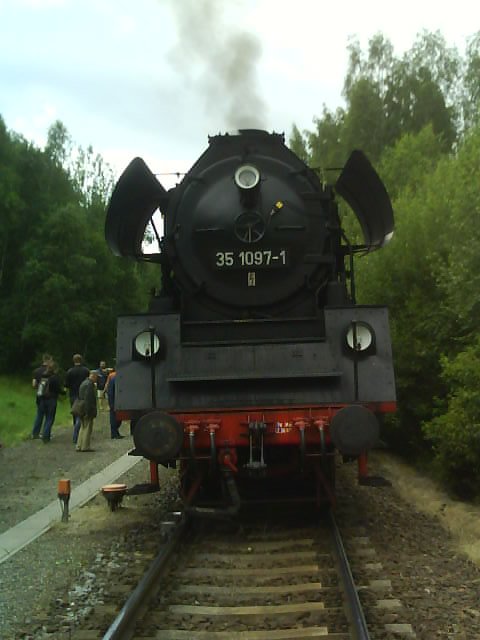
(136, 196)
(361, 187)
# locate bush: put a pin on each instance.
(455, 435)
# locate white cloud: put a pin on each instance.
(34, 4)
(104, 68)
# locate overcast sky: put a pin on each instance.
(155, 77)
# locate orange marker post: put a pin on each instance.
(64, 497)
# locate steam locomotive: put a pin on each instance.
(253, 364)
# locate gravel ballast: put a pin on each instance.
(426, 542)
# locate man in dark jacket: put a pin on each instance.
(110, 393)
(74, 378)
(48, 388)
(87, 393)
(102, 375)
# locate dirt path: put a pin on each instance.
(460, 519)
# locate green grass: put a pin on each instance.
(18, 410)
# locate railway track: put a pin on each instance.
(285, 578)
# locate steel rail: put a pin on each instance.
(122, 627)
(356, 610)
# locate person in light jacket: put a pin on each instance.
(74, 378)
(88, 393)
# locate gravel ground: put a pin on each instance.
(60, 562)
(30, 471)
(428, 544)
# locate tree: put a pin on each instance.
(418, 89)
(324, 143)
(403, 277)
(387, 97)
(471, 97)
(59, 144)
(11, 206)
(61, 288)
(297, 144)
(417, 118)
(364, 123)
(455, 432)
(457, 237)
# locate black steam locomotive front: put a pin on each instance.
(255, 323)
(251, 231)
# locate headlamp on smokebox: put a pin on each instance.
(147, 344)
(360, 338)
(247, 177)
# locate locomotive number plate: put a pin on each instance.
(259, 258)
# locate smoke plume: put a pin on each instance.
(219, 59)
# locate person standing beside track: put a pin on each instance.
(110, 393)
(87, 393)
(40, 376)
(74, 378)
(102, 375)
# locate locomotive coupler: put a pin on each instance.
(228, 458)
(221, 513)
(256, 431)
